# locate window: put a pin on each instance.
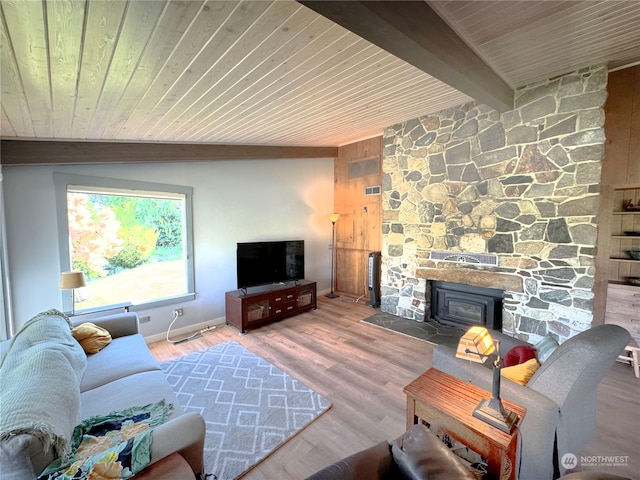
(132, 240)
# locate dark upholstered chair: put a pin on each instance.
(417, 454)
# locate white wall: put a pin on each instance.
(233, 201)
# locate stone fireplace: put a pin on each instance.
(522, 186)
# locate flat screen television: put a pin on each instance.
(263, 263)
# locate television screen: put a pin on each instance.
(262, 263)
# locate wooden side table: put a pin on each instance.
(445, 404)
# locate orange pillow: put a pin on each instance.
(92, 337)
(521, 373)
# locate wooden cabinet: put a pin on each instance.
(623, 308)
(623, 291)
(257, 306)
(624, 235)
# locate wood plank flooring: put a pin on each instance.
(362, 370)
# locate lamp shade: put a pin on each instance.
(70, 280)
(334, 217)
(475, 345)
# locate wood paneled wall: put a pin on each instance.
(359, 228)
(620, 167)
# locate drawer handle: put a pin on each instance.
(278, 299)
(289, 296)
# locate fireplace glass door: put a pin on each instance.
(465, 306)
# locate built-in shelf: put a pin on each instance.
(630, 260)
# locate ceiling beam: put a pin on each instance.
(17, 152)
(413, 32)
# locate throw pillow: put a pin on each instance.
(519, 354)
(545, 348)
(521, 373)
(92, 337)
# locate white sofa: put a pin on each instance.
(121, 375)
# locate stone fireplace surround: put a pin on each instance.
(522, 185)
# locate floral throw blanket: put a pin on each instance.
(112, 446)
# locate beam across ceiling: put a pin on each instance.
(413, 32)
(16, 152)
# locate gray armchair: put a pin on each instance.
(560, 398)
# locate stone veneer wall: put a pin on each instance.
(523, 185)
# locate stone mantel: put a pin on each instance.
(476, 278)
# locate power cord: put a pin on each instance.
(194, 335)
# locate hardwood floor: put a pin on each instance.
(362, 370)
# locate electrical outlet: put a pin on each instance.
(146, 319)
(178, 312)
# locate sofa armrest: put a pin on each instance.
(183, 434)
(118, 325)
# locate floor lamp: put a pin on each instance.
(71, 281)
(333, 218)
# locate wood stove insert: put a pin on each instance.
(463, 306)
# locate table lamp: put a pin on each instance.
(477, 345)
(71, 281)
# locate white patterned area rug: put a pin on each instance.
(250, 406)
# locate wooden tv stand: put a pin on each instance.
(257, 306)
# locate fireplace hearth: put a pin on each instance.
(464, 306)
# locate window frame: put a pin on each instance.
(63, 182)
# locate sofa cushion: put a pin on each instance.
(92, 337)
(124, 356)
(15, 460)
(137, 389)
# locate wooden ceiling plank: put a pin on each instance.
(330, 99)
(140, 19)
(104, 19)
(66, 25)
(299, 93)
(265, 36)
(16, 152)
(306, 73)
(16, 117)
(6, 127)
(224, 38)
(210, 18)
(255, 70)
(171, 28)
(255, 83)
(300, 124)
(414, 32)
(343, 120)
(26, 28)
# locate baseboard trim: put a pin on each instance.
(182, 331)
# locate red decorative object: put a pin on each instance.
(518, 355)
